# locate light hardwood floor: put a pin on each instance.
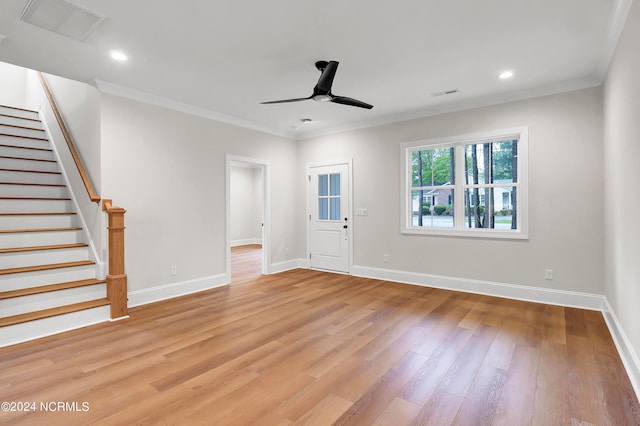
(307, 347)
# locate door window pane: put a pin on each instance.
(334, 184)
(323, 208)
(323, 185)
(334, 212)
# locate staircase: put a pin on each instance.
(48, 281)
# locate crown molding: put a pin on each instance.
(478, 102)
(137, 95)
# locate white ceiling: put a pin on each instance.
(222, 58)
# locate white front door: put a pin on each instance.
(329, 228)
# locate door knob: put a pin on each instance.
(345, 226)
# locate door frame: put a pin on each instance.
(266, 206)
(309, 203)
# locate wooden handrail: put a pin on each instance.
(116, 278)
(93, 195)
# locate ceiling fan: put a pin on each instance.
(322, 91)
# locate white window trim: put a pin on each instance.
(520, 133)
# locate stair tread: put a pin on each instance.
(30, 171)
(24, 137)
(18, 117)
(35, 198)
(21, 127)
(25, 147)
(18, 108)
(27, 159)
(38, 214)
(17, 231)
(39, 248)
(33, 184)
(37, 268)
(49, 288)
(46, 313)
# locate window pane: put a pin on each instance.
(335, 184)
(323, 209)
(477, 158)
(432, 167)
(505, 155)
(334, 212)
(493, 162)
(323, 185)
(436, 208)
(493, 208)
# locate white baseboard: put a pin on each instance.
(287, 265)
(625, 349)
(169, 291)
(246, 242)
(509, 291)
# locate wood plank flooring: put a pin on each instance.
(307, 347)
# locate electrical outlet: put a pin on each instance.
(174, 270)
(548, 274)
(385, 258)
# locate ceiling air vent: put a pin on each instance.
(61, 17)
(446, 92)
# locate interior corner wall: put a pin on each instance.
(167, 169)
(622, 173)
(12, 85)
(565, 195)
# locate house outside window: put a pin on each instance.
(471, 185)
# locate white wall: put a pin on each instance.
(12, 85)
(565, 195)
(79, 106)
(167, 169)
(622, 174)
(246, 205)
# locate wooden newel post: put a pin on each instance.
(116, 278)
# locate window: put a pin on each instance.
(472, 185)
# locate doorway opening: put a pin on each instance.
(248, 222)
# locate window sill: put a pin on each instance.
(468, 233)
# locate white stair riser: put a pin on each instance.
(52, 276)
(45, 327)
(38, 221)
(17, 121)
(30, 177)
(18, 112)
(42, 257)
(26, 142)
(10, 151)
(32, 206)
(37, 302)
(19, 131)
(33, 191)
(19, 164)
(30, 239)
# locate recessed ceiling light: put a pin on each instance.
(505, 75)
(118, 56)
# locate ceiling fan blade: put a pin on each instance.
(326, 78)
(284, 101)
(351, 102)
